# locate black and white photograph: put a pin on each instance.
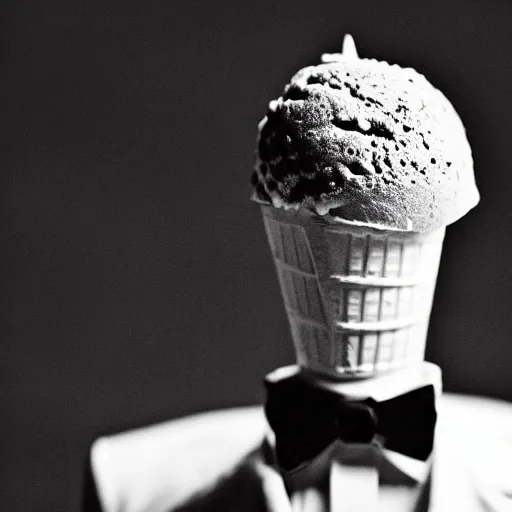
(256, 256)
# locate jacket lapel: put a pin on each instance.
(255, 485)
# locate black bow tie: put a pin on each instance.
(306, 420)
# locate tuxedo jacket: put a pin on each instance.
(221, 461)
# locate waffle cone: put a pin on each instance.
(358, 298)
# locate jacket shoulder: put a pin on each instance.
(164, 466)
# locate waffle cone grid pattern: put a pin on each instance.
(359, 302)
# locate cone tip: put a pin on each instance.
(349, 49)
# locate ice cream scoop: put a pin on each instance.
(365, 141)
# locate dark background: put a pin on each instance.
(136, 282)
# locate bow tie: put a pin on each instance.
(307, 419)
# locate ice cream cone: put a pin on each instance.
(358, 298)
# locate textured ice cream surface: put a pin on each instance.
(361, 140)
